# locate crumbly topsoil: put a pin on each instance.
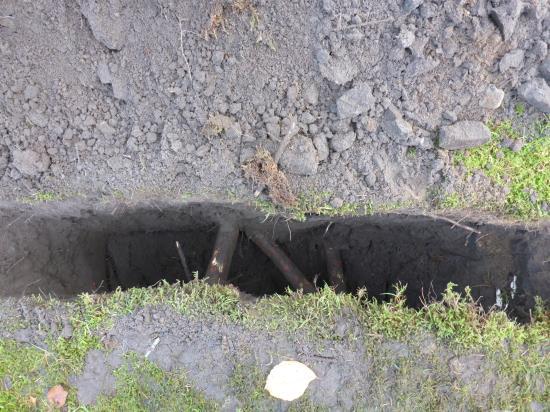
(101, 97)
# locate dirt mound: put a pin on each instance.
(98, 96)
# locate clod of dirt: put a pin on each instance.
(536, 92)
(107, 22)
(262, 169)
(464, 134)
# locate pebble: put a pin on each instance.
(342, 141)
(536, 92)
(29, 162)
(506, 16)
(463, 135)
(31, 92)
(544, 69)
(321, 144)
(355, 101)
(300, 157)
(493, 97)
(511, 60)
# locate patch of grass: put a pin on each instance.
(143, 386)
(459, 319)
(451, 201)
(526, 172)
(313, 314)
(247, 383)
(21, 382)
(41, 197)
(519, 109)
(314, 204)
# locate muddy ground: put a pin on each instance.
(225, 356)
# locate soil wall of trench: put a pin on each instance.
(62, 249)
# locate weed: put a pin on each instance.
(451, 201)
(42, 196)
(314, 204)
(312, 314)
(519, 109)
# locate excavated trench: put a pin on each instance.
(63, 249)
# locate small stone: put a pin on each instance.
(410, 5)
(106, 20)
(406, 38)
(355, 101)
(292, 94)
(38, 119)
(342, 141)
(544, 69)
(106, 129)
(300, 157)
(463, 135)
(273, 130)
(321, 144)
(537, 93)
(337, 203)
(493, 97)
(217, 57)
(235, 108)
(30, 163)
(311, 94)
(511, 60)
(120, 88)
(103, 73)
(450, 116)
(31, 92)
(395, 126)
(339, 70)
(151, 137)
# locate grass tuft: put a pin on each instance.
(526, 172)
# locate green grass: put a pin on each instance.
(526, 173)
(318, 204)
(143, 386)
(42, 196)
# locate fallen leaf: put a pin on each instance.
(289, 380)
(32, 401)
(57, 395)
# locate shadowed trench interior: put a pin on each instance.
(67, 248)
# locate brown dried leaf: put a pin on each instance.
(262, 169)
(57, 396)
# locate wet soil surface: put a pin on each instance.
(354, 370)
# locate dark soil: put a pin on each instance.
(63, 249)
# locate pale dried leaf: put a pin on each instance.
(289, 380)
